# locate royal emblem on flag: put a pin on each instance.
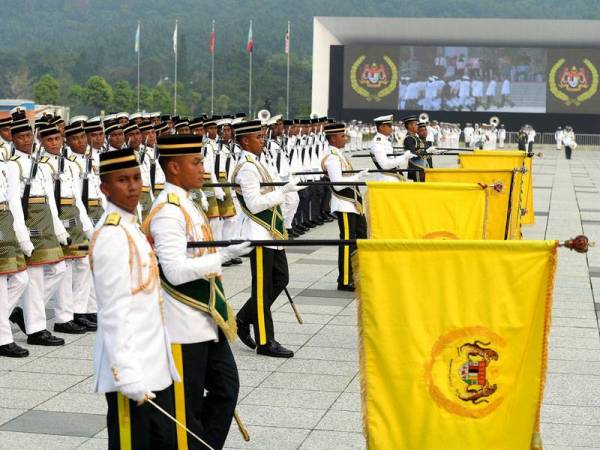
(573, 84)
(463, 370)
(374, 80)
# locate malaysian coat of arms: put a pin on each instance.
(573, 84)
(463, 372)
(374, 80)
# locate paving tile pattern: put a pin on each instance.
(313, 400)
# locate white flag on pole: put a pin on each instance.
(175, 39)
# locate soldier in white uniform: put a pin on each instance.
(558, 137)
(198, 329)
(114, 135)
(381, 147)
(501, 136)
(132, 357)
(13, 273)
(346, 201)
(213, 194)
(72, 213)
(81, 166)
(39, 232)
(5, 139)
(262, 219)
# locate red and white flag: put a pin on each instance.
(286, 49)
(250, 44)
(211, 44)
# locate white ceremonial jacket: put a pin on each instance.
(257, 199)
(18, 169)
(381, 146)
(132, 342)
(180, 265)
(333, 164)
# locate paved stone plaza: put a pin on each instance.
(312, 401)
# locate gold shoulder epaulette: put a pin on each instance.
(14, 158)
(44, 159)
(72, 158)
(114, 218)
(173, 198)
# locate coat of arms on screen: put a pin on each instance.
(573, 84)
(374, 80)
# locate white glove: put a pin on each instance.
(26, 247)
(234, 251)
(362, 174)
(89, 233)
(137, 392)
(292, 186)
(204, 203)
(434, 151)
(409, 155)
(63, 238)
(219, 194)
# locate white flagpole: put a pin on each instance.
(175, 37)
(138, 67)
(250, 73)
(212, 71)
(287, 90)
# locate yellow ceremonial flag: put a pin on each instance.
(499, 198)
(527, 195)
(426, 210)
(453, 350)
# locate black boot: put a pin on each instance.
(69, 327)
(12, 350)
(243, 332)
(274, 349)
(45, 338)
(17, 317)
(82, 320)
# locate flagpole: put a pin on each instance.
(250, 77)
(287, 90)
(212, 71)
(175, 86)
(138, 70)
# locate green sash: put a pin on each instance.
(270, 219)
(207, 296)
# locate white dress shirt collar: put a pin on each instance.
(170, 187)
(125, 215)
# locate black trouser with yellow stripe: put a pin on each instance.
(269, 277)
(140, 427)
(204, 366)
(352, 226)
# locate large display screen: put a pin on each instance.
(487, 79)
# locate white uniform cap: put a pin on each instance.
(136, 115)
(122, 114)
(110, 117)
(78, 119)
(222, 122)
(273, 120)
(384, 120)
(237, 120)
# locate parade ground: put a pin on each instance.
(312, 401)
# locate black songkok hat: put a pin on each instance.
(163, 126)
(334, 128)
(145, 125)
(196, 122)
(48, 130)
(93, 126)
(179, 145)
(409, 119)
(19, 126)
(5, 122)
(131, 126)
(111, 126)
(74, 128)
(117, 160)
(249, 127)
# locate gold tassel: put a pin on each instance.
(536, 441)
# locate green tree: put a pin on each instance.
(46, 90)
(124, 99)
(98, 93)
(145, 98)
(222, 104)
(162, 100)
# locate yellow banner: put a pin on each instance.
(499, 199)
(426, 210)
(453, 350)
(527, 195)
